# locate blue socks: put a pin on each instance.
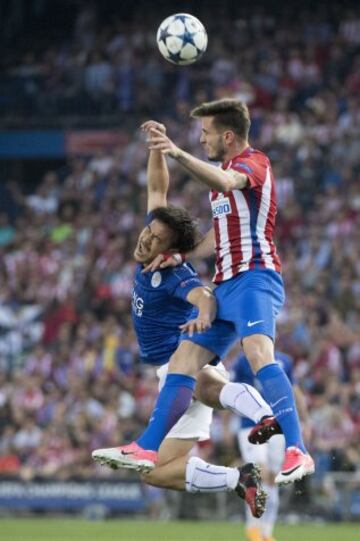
(278, 393)
(172, 402)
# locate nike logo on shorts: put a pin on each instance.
(252, 323)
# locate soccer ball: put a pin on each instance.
(182, 39)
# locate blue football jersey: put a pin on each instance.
(159, 306)
(241, 372)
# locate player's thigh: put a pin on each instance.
(259, 350)
(210, 345)
(251, 302)
(173, 448)
(170, 470)
(189, 358)
(210, 381)
(249, 451)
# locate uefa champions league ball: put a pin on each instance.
(182, 39)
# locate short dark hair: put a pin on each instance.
(227, 113)
(185, 229)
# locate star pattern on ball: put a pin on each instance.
(181, 39)
(175, 57)
(164, 33)
(188, 37)
(181, 18)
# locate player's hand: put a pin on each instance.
(162, 261)
(199, 325)
(160, 141)
(153, 125)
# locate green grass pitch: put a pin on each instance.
(38, 529)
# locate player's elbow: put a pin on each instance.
(222, 181)
(235, 180)
(228, 184)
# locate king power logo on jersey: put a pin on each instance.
(137, 304)
(221, 207)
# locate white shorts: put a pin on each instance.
(196, 421)
(270, 454)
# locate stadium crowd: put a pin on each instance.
(70, 378)
(93, 66)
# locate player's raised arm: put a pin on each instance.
(157, 170)
(211, 175)
(203, 298)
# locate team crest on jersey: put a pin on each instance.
(221, 207)
(156, 279)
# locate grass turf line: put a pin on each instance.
(44, 529)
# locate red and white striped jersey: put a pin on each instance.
(244, 220)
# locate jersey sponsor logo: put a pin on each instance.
(156, 279)
(137, 304)
(221, 207)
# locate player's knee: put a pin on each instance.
(189, 358)
(208, 389)
(259, 350)
(185, 362)
(180, 365)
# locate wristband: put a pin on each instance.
(179, 258)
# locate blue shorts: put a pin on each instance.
(247, 304)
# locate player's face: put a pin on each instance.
(153, 240)
(212, 140)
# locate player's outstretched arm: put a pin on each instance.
(157, 170)
(212, 176)
(205, 302)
